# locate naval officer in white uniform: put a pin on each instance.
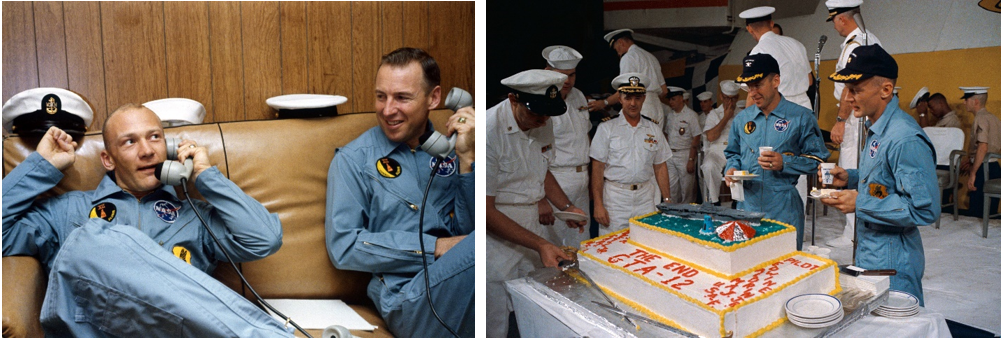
(683, 133)
(520, 146)
(636, 59)
(628, 151)
(570, 166)
(845, 130)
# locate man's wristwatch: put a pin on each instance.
(665, 199)
(566, 207)
(605, 102)
(841, 119)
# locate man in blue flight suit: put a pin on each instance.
(790, 129)
(129, 259)
(375, 188)
(895, 188)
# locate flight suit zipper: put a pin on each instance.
(410, 205)
(418, 252)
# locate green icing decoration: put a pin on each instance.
(692, 227)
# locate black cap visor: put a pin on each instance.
(543, 105)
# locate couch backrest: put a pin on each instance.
(281, 163)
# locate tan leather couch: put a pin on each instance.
(281, 163)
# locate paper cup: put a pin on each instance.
(825, 169)
(765, 149)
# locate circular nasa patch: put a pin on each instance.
(446, 168)
(105, 210)
(873, 148)
(166, 211)
(781, 125)
(388, 168)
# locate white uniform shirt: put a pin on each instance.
(571, 132)
(716, 115)
(516, 160)
(638, 60)
(701, 119)
(792, 60)
(681, 127)
(852, 41)
(629, 152)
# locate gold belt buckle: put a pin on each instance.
(634, 187)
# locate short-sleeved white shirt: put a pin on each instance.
(516, 160)
(681, 127)
(852, 41)
(629, 152)
(571, 132)
(791, 59)
(716, 115)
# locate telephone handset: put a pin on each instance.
(437, 144)
(171, 172)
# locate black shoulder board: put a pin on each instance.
(610, 117)
(647, 118)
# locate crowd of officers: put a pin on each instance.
(542, 163)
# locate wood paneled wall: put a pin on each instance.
(230, 56)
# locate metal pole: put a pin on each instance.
(815, 110)
(861, 144)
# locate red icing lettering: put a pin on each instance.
(645, 270)
(676, 278)
(684, 283)
(617, 258)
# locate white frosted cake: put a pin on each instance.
(666, 268)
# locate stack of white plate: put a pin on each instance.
(814, 310)
(900, 305)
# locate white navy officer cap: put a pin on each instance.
(674, 91)
(561, 57)
(539, 91)
(756, 14)
(841, 6)
(741, 104)
(305, 105)
(175, 112)
(630, 83)
(704, 96)
(922, 95)
(729, 88)
(895, 90)
(32, 112)
(970, 91)
(686, 95)
(617, 34)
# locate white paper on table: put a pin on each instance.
(737, 191)
(319, 314)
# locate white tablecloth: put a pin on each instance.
(542, 312)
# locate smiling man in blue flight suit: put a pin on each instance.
(375, 188)
(129, 259)
(790, 129)
(895, 188)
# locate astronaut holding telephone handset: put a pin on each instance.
(130, 259)
(375, 218)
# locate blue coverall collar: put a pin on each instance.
(778, 110)
(108, 187)
(882, 123)
(385, 146)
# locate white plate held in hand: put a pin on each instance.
(570, 216)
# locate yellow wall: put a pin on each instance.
(939, 71)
